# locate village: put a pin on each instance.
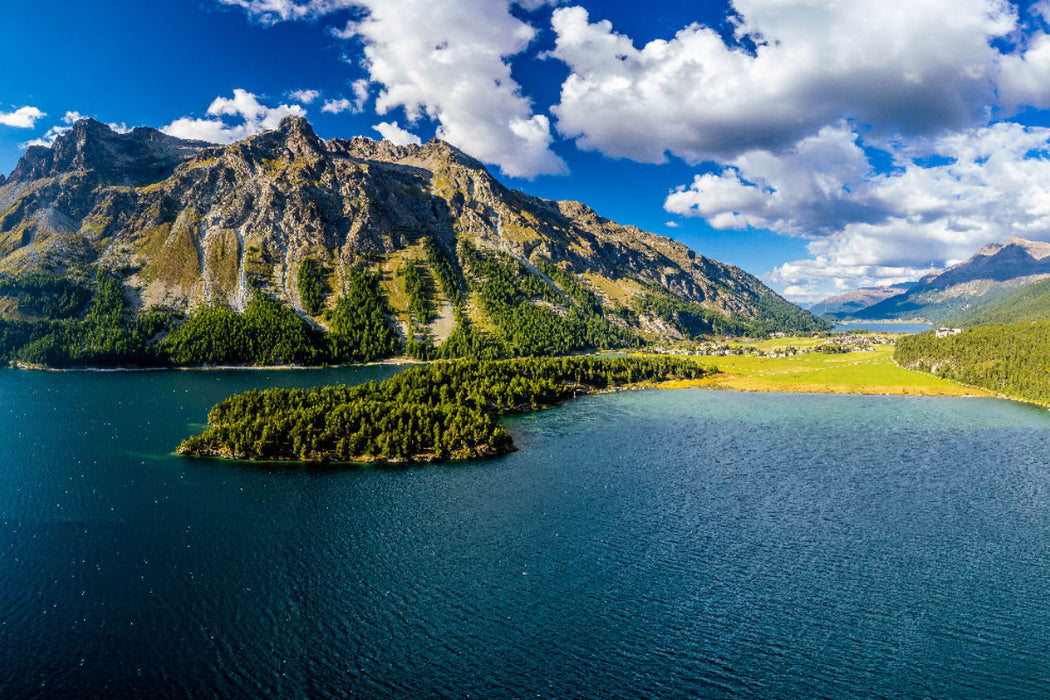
(828, 344)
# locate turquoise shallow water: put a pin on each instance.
(642, 544)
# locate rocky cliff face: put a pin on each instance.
(190, 223)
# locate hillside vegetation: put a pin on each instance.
(1007, 359)
(1031, 303)
(360, 326)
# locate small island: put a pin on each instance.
(441, 411)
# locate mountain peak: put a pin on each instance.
(88, 125)
(443, 149)
(246, 215)
(294, 125)
(991, 248)
(140, 154)
(1037, 249)
(994, 271)
(431, 155)
(293, 136)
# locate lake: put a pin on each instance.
(641, 544)
(883, 326)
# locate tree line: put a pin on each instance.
(265, 333)
(1010, 359)
(440, 411)
(528, 311)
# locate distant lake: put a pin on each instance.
(642, 544)
(883, 327)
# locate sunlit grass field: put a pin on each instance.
(848, 373)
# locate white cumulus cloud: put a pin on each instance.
(232, 119)
(274, 11)
(445, 60)
(941, 199)
(361, 93)
(355, 106)
(337, 106)
(21, 118)
(810, 189)
(897, 65)
(304, 97)
(393, 133)
(449, 61)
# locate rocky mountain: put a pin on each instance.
(994, 273)
(1029, 303)
(187, 224)
(849, 303)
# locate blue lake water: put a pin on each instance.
(642, 544)
(883, 327)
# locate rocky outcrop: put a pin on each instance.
(142, 155)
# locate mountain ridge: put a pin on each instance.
(843, 304)
(992, 274)
(190, 224)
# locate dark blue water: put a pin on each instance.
(883, 327)
(643, 544)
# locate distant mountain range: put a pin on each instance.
(187, 224)
(848, 303)
(979, 288)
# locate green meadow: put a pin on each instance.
(847, 373)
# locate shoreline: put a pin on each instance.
(887, 322)
(987, 392)
(729, 381)
(723, 381)
(393, 361)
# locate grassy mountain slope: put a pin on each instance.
(1031, 303)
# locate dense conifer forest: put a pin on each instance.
(534, 317)
(503, 307)
(101, 337)
(1008, 359)
(313, 286)
(108, 333)
(81, 325)
(440, 411)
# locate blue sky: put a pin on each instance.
(821, 145)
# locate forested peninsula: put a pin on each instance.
(440, 411)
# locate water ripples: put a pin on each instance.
(643, 544)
